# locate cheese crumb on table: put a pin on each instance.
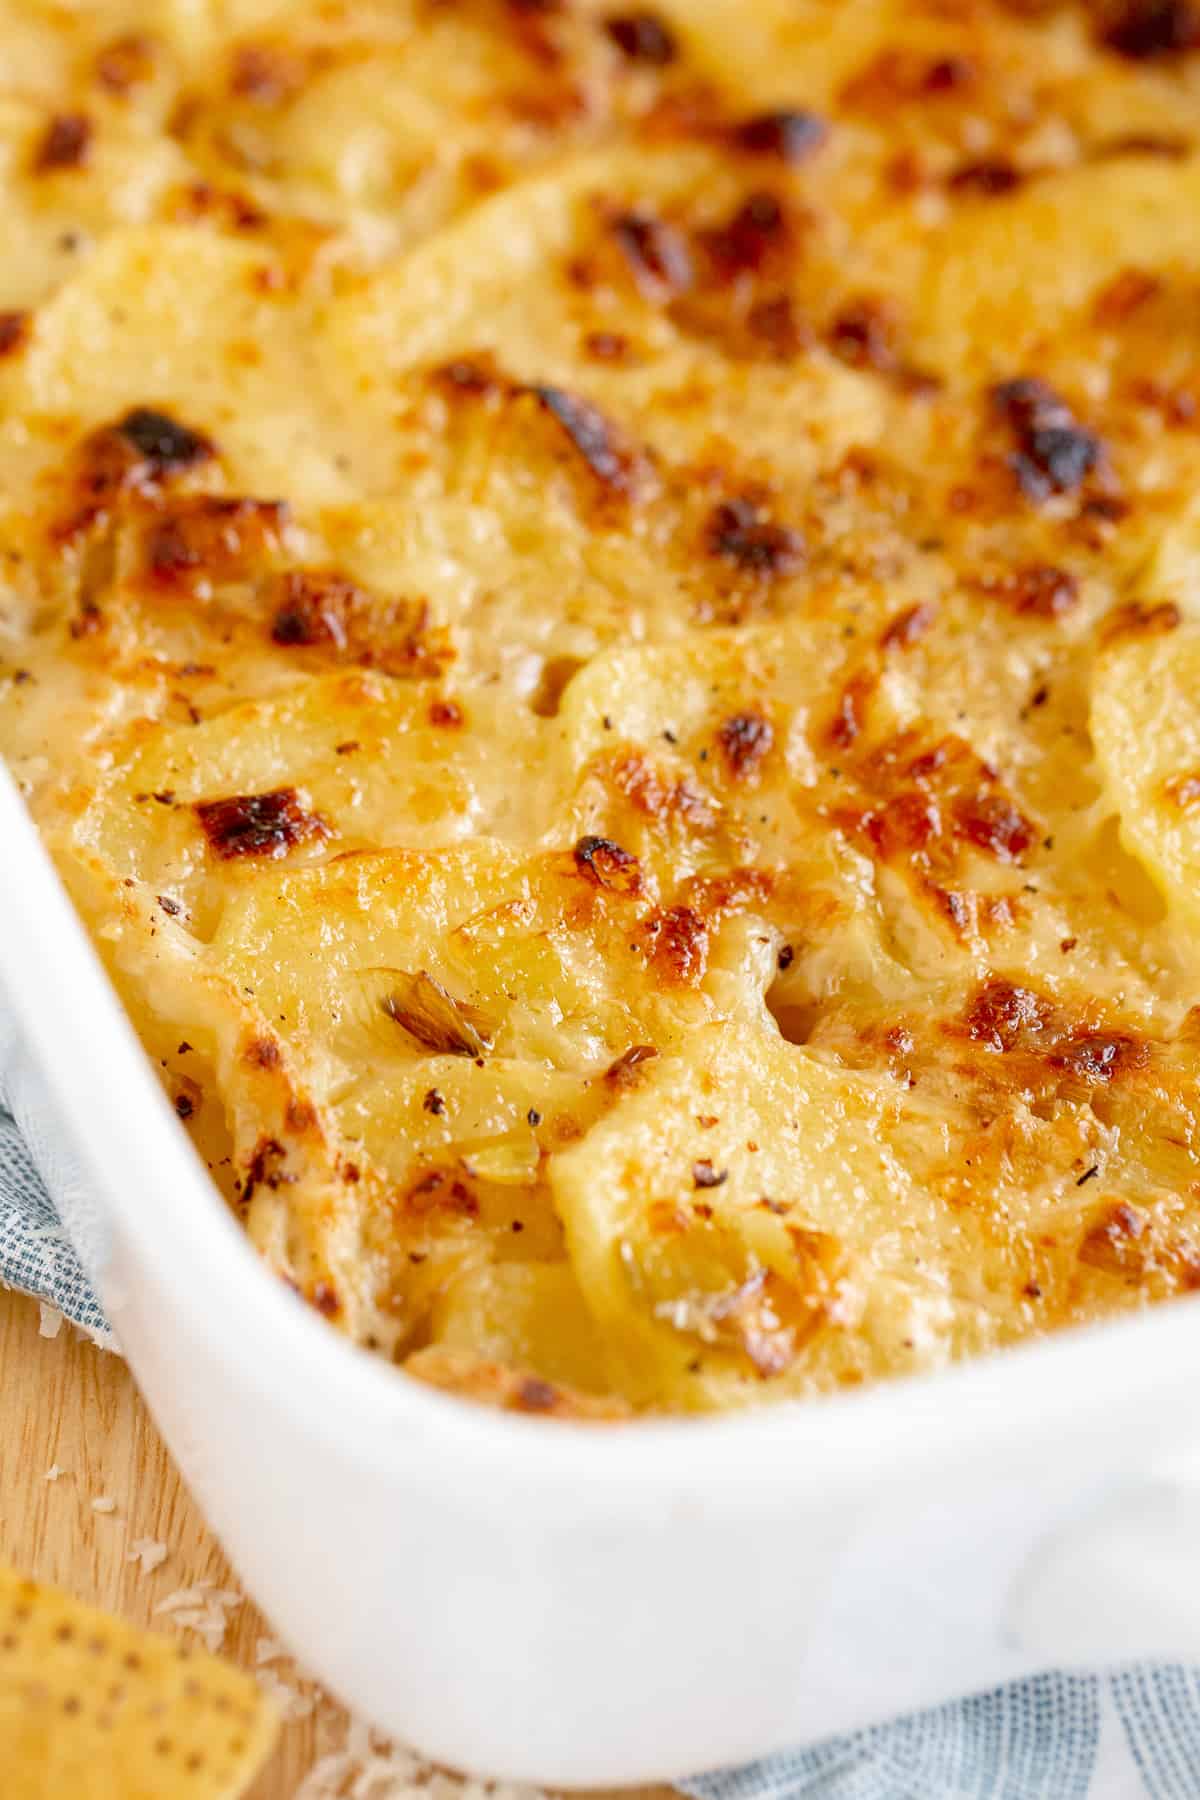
(203, 1609)
(148, 1552)
(368, 1767)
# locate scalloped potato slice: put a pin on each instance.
(549, 960)
(743, 715)
(400, 1041)
(454, 1017)
(184, 320)
(51, 51)
(740, 1229)
(1146, 729)
(503, 276)
(712, 756)
(1171, 570)
(49, 217)
(838, 786)
(754, 1220)
(1048, 250)
(1041, 55)
(389, 119)
(525, 1315)
(369, 759)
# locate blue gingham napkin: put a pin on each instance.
(1117, 1736)
(36, 1255)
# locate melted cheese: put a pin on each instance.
(598, 608)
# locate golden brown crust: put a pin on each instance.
(598, 608)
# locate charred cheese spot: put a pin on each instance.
(317, 608)
(1140, 619)
(200, 200)
(985, 180)
(265, 74)
(1018, 1021)
(163, 444)
(622, 1072)
(643, 37)
(472, 375)
(267, 825)
(1141, 1252)
(593, 436)
(850, 716)
(745, 739)
(606, 865)
(134, 457)
(440, 1197)
(901, 77)
(1113, 1242)
(267, 1168)
(758, 239)
(14, 332)
(65, 143)
(607, 346)
(344, 622)
(775, 327)
(140, 452)
(126, 63)
(1147, 29)
(722, 280)
(1004, 1016)
(659, 797)
(790, 136)
(864, 335)
(1120, 298)
(448, 715)
(741, 532)
(1101, 1057)
(1055, 454)
(656, 252)
(909, 626)
(676, 940)
(325, 1299)
(1039, 590)
(211, 539)
(1184, 791)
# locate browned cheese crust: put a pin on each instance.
(600, 607)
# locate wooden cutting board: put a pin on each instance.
(63, 1402)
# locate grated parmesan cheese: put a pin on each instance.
(50, 1320)
(104, 1503)
(202, 1609)
(149, 1552)
(291, 1702)
(53, 1472)
(369, 1767)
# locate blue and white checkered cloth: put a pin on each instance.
(1118, 1736)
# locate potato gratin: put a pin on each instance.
(600, 610)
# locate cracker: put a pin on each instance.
(92, 1707)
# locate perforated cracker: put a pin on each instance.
(94, 1708)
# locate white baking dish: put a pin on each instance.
(595, 1605)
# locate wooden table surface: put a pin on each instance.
(63, 1401)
